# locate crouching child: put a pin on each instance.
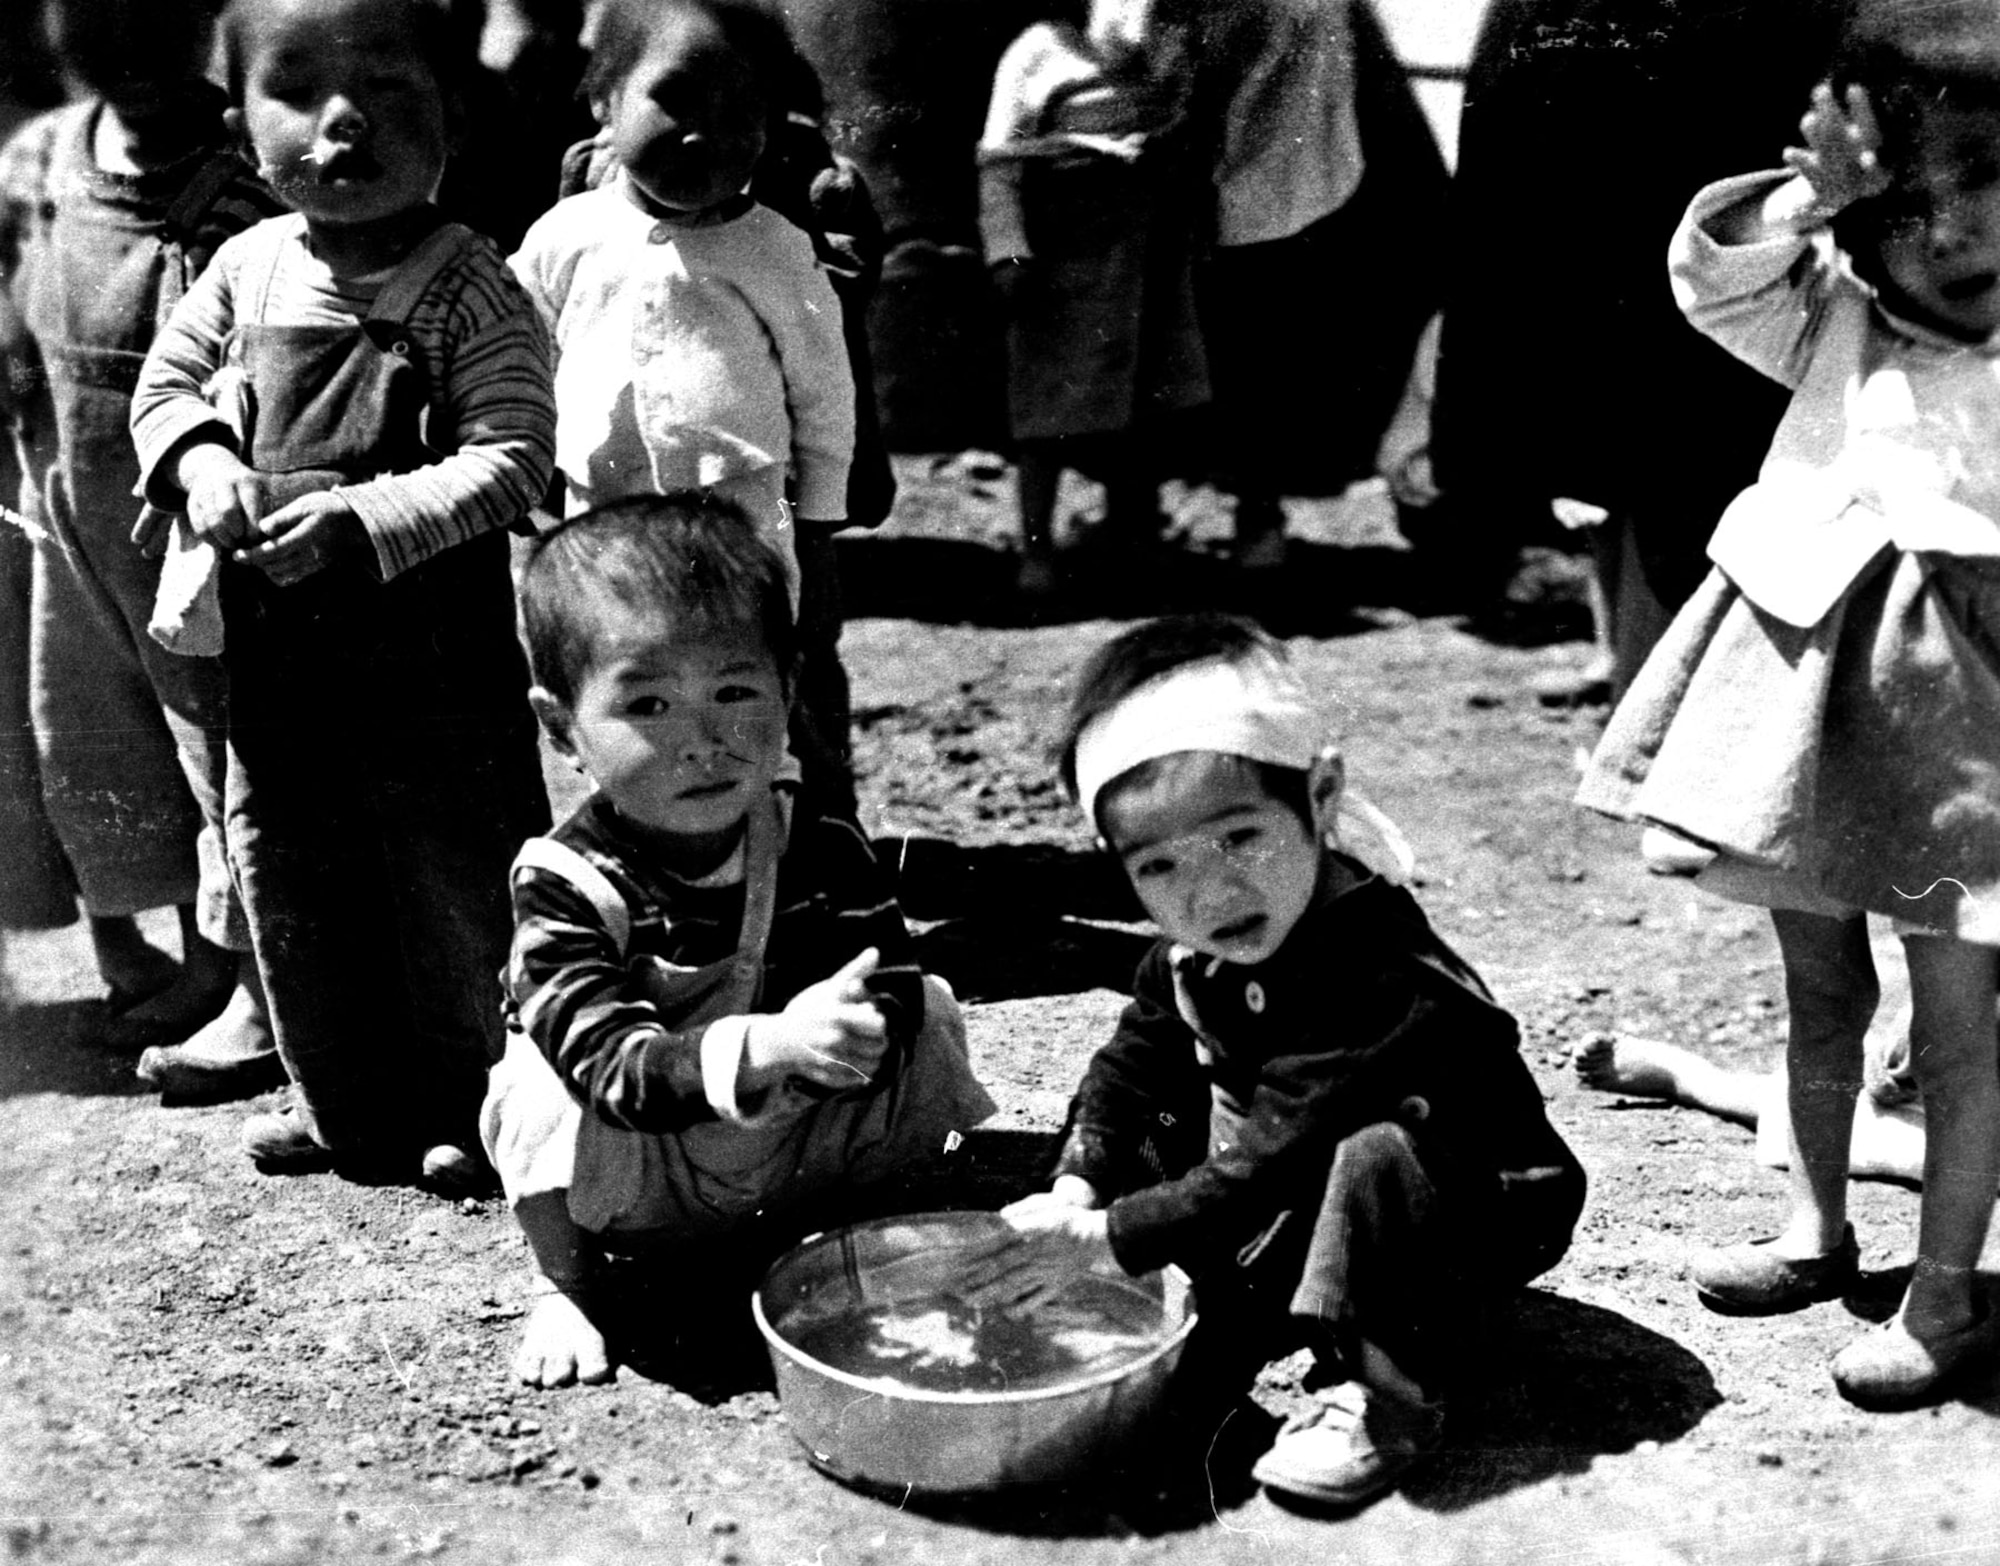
(719, 1030)
(1312, 1104)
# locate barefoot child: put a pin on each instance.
(1312, 1104)
(108, 207)
(720, 1025)
(397, 418)
(1825, 713)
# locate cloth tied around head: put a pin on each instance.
(1256, 707)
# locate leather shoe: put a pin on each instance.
(1751, 1280)
(1892, 1367)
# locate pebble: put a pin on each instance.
(280, 1453)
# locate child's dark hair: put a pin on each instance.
(447, 34)
(755, 30)
(1136, 657)
(689, 556)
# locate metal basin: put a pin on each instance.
(1032, 1409)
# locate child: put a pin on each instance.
(1312, 1104)
(698, 343)
(1087, 230)
(1823, 713)
(394, 387)
(798, 176)
(721, 1026)
(108, 207)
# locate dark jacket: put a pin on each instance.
(1362, 1011)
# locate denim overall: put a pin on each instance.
(127, 734)
(383, 766)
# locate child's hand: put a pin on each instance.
(1841, 158)
(304, 537)
(225, 495)
(831, 1033)
(1054, 1240)
(151, 530)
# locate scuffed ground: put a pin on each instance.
(200, 1364)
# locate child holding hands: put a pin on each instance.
(719, 1027)
(1824, 715)
(389, 385)
(1312, 1104)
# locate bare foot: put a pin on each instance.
(1617, 1063)
(559, 1345)
(240, 1031)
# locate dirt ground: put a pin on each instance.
(198, 1363)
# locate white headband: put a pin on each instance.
(1253, 707)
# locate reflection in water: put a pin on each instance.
(937, 1342)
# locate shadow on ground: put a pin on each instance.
(1572, 1383)
(52, 1048)
(1322, 589)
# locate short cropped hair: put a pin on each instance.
(755, 30)
(447, 34)
(1141, 655)
(693, 557)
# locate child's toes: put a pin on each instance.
(560, 1346)
(1592, 1059)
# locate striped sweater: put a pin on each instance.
(569, 984)
(483, 347)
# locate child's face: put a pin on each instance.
(135, 54)
(680, 732)
(1941, 243)
(348, 121)
(1219, 864)
(688, 120)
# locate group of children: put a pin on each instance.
(713, 1030)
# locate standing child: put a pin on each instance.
(394, 417)
(698, 342)
(1087, 216)
(722, 1027)
(108, 207)
(1825, 712)
(1312, 1104)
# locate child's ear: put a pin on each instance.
(553, 712)
(1326, 783)
(239, 132)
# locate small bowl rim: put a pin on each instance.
(885, 1387)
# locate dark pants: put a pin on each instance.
(820, 736)
(1392, 1255)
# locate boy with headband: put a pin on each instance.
(1312, 1104)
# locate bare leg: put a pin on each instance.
(1951, 984)
(560, 1344)
(199, 990)
(1648, 1068)
(132, 966)
(1831, 991)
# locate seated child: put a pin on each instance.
(1312, 1105)
(717, 1018)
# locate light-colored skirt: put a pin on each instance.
(1853, 766)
